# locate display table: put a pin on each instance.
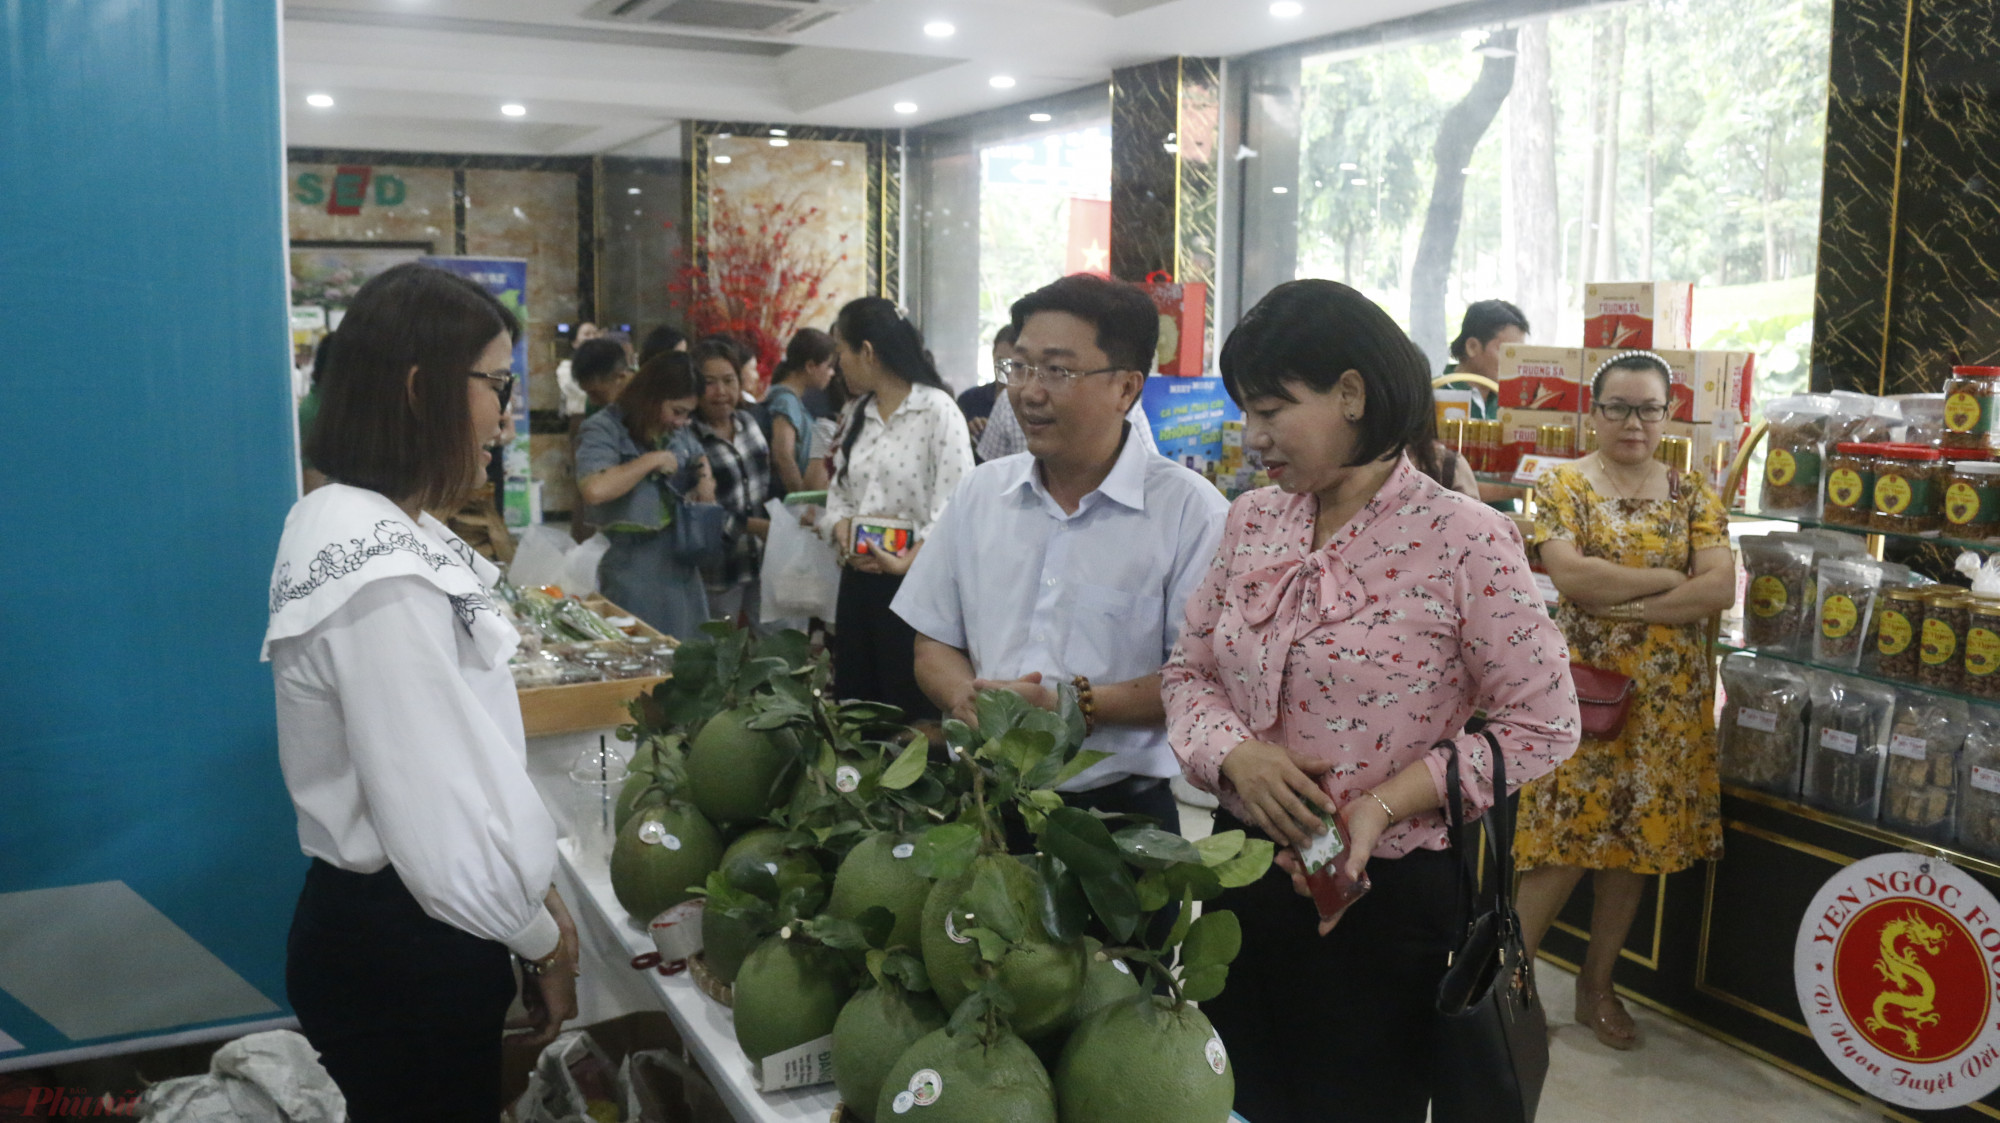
(610, 987)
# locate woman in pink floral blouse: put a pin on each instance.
(1355, 615)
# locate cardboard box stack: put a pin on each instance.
(1551, 385)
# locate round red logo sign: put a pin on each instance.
(1898, 971)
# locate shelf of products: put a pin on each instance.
(1932, 538)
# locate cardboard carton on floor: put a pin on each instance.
(1639, 315)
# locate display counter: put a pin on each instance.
(610, 986)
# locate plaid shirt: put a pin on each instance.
(742, 484)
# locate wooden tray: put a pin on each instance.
(706, 982)
(586, 705)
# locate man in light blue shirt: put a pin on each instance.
(1071, 563)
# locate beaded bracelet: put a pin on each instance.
(1087, 702)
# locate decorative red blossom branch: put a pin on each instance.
(764, 274)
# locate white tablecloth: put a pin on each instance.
(610, 987)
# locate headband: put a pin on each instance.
(1623, 356)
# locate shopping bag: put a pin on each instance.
(1183, 312)
(801, 574)
(579, 575)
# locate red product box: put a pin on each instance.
(1639, 315)
(1183, 325)
(1541, 378)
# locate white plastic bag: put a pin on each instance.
(801, 575)
(553, 1095)
(272, 1077)
(579, 572)
(538, 560)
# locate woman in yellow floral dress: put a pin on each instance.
(1641, 556)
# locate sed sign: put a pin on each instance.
(1898, 971)
(349, 189)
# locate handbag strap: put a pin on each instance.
(1499, 829)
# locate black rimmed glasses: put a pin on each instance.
(502, 383)
(1623, 411)
(1015, 372)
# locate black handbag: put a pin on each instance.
(1492, 1046)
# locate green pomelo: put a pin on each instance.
(655, 868)
(735, 772)
(754, 862)
(874, 1029)
(636, 787)
(872, 875)
(1042, 976)
(788, 992)
(974, 1083)
(1140, 1061)
(1105, 980)
(725, 943)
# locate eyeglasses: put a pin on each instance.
(1014, 372)
(1622, 411)
(502, 383)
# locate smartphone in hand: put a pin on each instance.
(1325, 861)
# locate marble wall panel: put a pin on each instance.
(397, 204)
(830, 175)
(642, 212)
(532, 215)
(1145, 117)
(1910, 227)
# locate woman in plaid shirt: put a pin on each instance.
(741, 461)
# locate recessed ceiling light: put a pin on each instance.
(320, 101)
(940, 29)
(631, 191)
(906, 107)
(513, 109)
(1286, 9)
(1281, 191)
(779, 142)
(1040, 118)
(780, 132)
(724, 136)
(1358, 182)
(1349, 167)
(1001, 82)
(840, 163)
(722, 159)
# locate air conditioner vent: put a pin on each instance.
(757, 17)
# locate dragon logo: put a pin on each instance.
(1909, 1001)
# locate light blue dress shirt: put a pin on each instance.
(1018, 585)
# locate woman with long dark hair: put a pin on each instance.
(399, 732)
(902, 449)
(640, 468)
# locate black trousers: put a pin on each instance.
(1337, 1028)
(406, 1011)
(874, 652)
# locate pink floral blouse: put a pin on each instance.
(1369, 651)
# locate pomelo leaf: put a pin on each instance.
(992, 945)
(1219, 848)
(1183, 916)
(1155, 849)
(908, 767)
(1065, 909)
(1247, 866)
(947, 850)
(1212, 941)
(790, 646)
(988, 899)
(1082, 760)
(1153, 894)
(907, 970)
(1204, 983)
(1023, 750)
(1115, 898)
(1192, 880)
(958, 733)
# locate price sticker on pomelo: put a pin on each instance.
(846, 778)
(902, 850)
(925, 1087)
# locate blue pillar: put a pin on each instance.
(148, 856)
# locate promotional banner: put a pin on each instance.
(1187, 416)
(1893, 969)
(507, 279)
(149, 855)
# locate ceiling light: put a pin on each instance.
(1349, 167)
(1001, 82)
(1040, 118)
(320, 101)
(1358, 182)
(722, 159)
(940, 29)
(513, 109)
(724, 136)
(1281, 191)
(840, 163)
(1286, 9)
(779, 142)
(906, 107)
(780, 132)
(631, 191)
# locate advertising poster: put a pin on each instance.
(507, 279)
(1187, 416)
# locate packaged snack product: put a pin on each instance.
(1846, 742)
(1978, 826)
(1763, 729)
(1921, 781)
(1780, 590)
(1332, 889)
(1796, 444)
(1847, 590)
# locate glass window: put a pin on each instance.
(1664, 139)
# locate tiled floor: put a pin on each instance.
(1677, 1074)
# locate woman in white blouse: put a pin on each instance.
(399, 732)
(902, 449)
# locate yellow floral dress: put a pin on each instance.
(1650, 801)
